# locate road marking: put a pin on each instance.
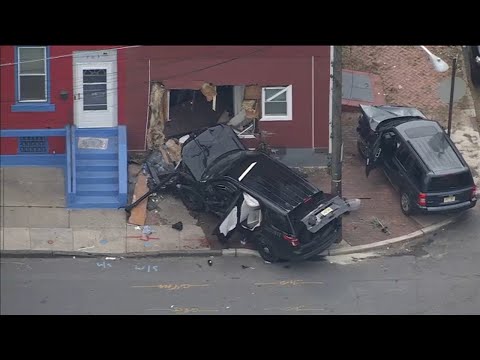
(16, 263)
(171, 286)
(295, 308)
(183, 310)
(291, 282)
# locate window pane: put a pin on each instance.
(32, 87)
(95, 97)
(95, 76)
(32, 67)
(276, 108)
(272, 92)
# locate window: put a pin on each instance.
(277, 103)
(32, 79)
(403, 155)
(416, 174)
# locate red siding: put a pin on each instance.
(178, 67)
(61, 78)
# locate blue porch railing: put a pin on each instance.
(122, 165)
(65, 161)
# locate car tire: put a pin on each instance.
(359, 148)
(406, 203)
(191, 200)
(265, 248)
(475, 76)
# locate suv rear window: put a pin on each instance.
(450, 182)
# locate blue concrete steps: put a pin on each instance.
(99, 173)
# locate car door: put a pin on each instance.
(404, 162)
(229, 221)
(374, 158)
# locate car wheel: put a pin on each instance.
(406, 203)
(265, 248)
(360, 146)
(475, 75)
(191, 200)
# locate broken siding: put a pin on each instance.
(178, 68)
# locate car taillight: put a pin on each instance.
(422, 199)
(291, 239)
(474, 192)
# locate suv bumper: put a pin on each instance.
(313, 248)
(447, 208)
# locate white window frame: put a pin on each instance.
(45, 75)
(288, 91)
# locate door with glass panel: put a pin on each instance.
(95, 95)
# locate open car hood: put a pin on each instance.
(378, 114)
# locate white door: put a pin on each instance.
(95, 95)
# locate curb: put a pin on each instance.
(362, 248)
(394, 241)
(235, 252)
(84, 254)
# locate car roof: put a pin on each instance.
(431, 144)
(205, 147)
(272, 182)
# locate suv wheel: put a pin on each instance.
(191, 200)
(265, 248)
(406, 203)
(361, 149)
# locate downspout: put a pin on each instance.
(330, 103)
(313, 102)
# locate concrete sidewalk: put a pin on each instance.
(33, 218)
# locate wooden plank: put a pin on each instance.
(139, 212)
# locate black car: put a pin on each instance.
(286, 216)
(474, 60)
(418, 158)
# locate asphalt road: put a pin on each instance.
(442, 277)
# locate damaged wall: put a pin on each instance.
(274, 66)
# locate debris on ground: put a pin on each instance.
(152, 204)
(110, 258)
(209, 262)
(178, 226)
(377, 223)
(247, 267)
(139, 213)
(147, 230)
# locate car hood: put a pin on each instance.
(379, 114)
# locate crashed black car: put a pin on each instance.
(283, 214)
(417, 157)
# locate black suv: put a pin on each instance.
(418, 158)
(286, 216)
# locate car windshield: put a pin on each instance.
(450, 182)
(204, 149)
